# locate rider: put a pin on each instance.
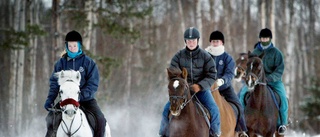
(225, 73)
(274, 67)
(75, 59)
(201, 75)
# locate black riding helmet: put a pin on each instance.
(191, 33)
(73, 36)
(265, 33)
(216, 35)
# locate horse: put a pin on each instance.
(241, 67)
(261, 112)
(185, 120)
(74, 121)
(228, 118)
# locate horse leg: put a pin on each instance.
(107, 130)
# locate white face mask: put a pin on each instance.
(215, 51)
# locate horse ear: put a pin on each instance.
(61, 74)
(184, 73)
(169, 73)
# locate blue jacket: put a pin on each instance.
(225, 69)
(89, 76)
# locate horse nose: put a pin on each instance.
(70, 112)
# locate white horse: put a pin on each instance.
(74, 122)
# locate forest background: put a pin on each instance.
(133, 42)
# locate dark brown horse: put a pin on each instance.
(185, 120)
(227, 115)
(261, 112)
(241, 67)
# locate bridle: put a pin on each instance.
(184, 96)
(258, 78)
(76, 105)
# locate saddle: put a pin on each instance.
(92, 120)
(201, 110)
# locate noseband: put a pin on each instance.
(258, 78)
(185, 95)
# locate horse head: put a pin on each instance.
(255, 72)
(178, 89)
(241, 66)
(69, 92)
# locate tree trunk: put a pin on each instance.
(272, 21)
(227, 10)
(245, 14)
(263, 13)
(16, 74)
(199, 22)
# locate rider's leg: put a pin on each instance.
(207, 100)
(165, 120)
(231, 96)
(93, 107)
(279, 88)
(242, 93)
(53, 120)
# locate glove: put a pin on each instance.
(48, 104)
(220, 82)
(196, 88)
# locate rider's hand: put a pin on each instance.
(195, 87)
(48, 104)
(220, 82)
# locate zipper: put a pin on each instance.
(74, 60)
(191, 69)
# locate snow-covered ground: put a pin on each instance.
(142, 124)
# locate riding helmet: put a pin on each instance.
(265, 33)
(216, 35)
(191, 33)
(73, 36)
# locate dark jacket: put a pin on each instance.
(201, 67)
(272, 61)
(225, 66)
(89, 76)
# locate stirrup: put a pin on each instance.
(282, 129)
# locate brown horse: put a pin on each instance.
(261, 112)
(241, 67)
(185, 120)
(240, 75)
(228, 118)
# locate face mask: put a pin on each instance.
(265, 43)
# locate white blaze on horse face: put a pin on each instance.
(250, 81)
(176, 84)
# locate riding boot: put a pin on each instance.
(53, 121)
(164, 121)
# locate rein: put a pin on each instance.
(68, 130)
